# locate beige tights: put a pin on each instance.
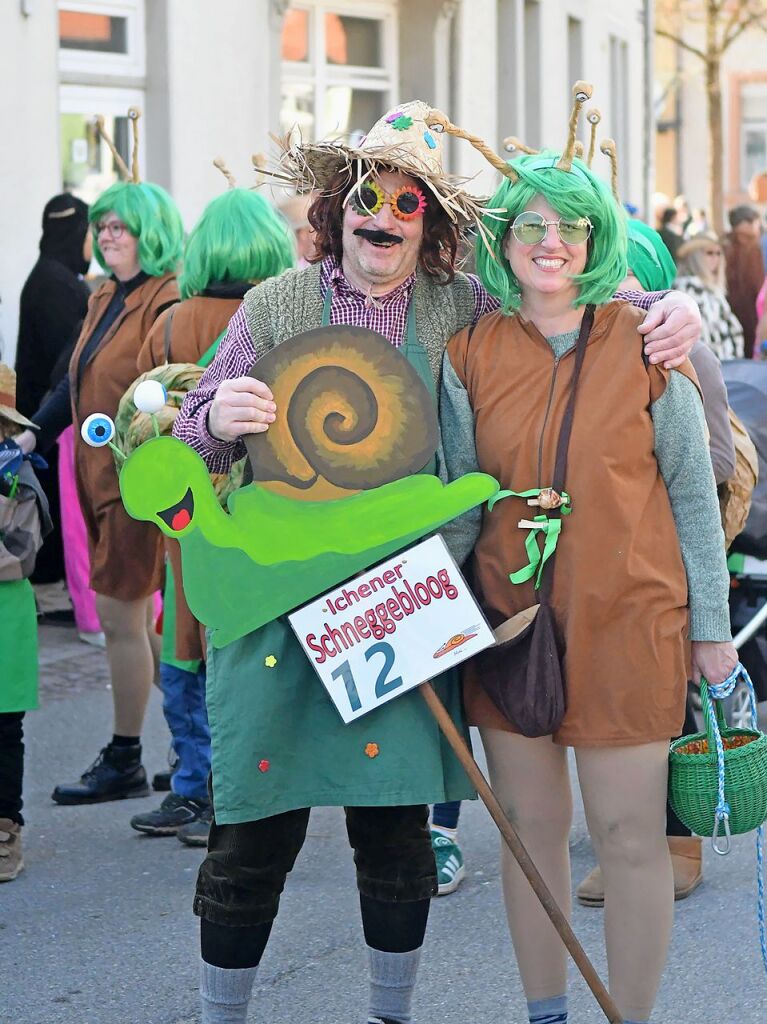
(133, 651)
(624, 795)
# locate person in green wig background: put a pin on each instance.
(239, 240)
(137, 238)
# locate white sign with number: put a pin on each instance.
(391, 628)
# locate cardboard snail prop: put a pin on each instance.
(337, 484)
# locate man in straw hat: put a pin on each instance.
(388, 221)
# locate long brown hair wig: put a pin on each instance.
(440, 234)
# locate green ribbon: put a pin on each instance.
(550, 528)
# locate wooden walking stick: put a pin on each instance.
(522, 857)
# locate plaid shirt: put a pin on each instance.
(386, 314)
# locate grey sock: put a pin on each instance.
(548, 1011)
(392, 978)
(225, 994)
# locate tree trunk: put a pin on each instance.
(714, 104)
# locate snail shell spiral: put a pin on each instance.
(352, 412)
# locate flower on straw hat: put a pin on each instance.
(404, 139)
(8, 408)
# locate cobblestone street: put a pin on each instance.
(108, 912)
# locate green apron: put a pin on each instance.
(278, 742)
(18, 640)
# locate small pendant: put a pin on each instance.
(547, 499)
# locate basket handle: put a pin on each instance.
(707, 698)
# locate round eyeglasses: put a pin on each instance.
(406, 203)
(114, 228)
(530, 228)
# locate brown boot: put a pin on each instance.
(687, 859)
(591, 891)
(11, 859)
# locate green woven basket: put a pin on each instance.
(693, 776)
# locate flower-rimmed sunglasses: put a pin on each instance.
(114, 228)
(407, 203)
(530, 228)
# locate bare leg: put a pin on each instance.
(531, 780)
(155, 640)
(130, 653)
(624, 794)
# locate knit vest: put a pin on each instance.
(284, 306)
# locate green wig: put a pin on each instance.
(240, 237)
(573, 194)
(648, 258)
(151, 216)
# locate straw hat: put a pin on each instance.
(406, 138)
(8, 408)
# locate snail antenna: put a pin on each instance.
(438, 122)
(219, 164)
(122, 167)
(134, 114)
(593, 117)
(581, 92)
(578, 150)
(259, 162)
(150, 397)
(609, 150)
(513, 145)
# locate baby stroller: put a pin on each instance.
(747, 393)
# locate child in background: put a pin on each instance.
(24, 521)
(185, 812)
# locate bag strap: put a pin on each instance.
(207, 357)
(563, 442)
(166, 332)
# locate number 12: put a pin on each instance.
(383, 686)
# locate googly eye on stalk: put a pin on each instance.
(98, 430)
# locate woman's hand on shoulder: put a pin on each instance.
(671, 328)
(242, 405)
(713, 661)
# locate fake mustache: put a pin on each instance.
(377, 236)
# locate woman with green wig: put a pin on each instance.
(138, 238)
(238, 241)
(608, 533)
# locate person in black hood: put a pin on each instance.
(54, 298)
(54, 301)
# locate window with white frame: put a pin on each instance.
(98, 39)
(339, 66)
(102, 37)
(753, 130)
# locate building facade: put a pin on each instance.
(682, 144)
(216, 79)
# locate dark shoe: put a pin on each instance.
(116, 774)
(196, 832)
(174, 812)
(161, 782)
